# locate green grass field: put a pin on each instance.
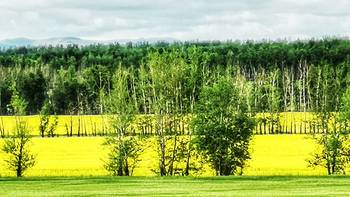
(177, 186)
(64, 156)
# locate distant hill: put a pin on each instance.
(20, 42)
(16, 42)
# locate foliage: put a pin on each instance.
(124, 155)
(17, 147)
(334, 142)
(334, 153)
(124, 149)
(45, 125)
(344, 115)
(223, 129)
(17, 105)
(177, 151)
(32, 86)
(283, 76)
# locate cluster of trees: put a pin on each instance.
(222, 129)
(222, 118)
(279, 76)
(221, 126)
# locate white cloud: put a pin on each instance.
(181, 19)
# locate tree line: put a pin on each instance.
(275, 77)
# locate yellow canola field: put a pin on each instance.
(64, 156)
(89, 124)
(290, 122)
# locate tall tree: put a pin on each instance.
(334, 151)
(223, 128)
(124, 147)
(17, 146)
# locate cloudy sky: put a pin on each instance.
(179, 19)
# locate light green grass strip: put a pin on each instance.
(177, 186)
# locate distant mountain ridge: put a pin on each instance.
(20, 42)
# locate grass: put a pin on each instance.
(64, 156)
(177, 186)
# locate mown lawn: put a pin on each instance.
(177, 186)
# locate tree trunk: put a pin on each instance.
(188, 156)
(71, 126)
(126, 168)
(171, 165)
(19, 169)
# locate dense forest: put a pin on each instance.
(271, 76)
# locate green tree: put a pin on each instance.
(124, 155)
(32, 85)
(17, 146)
(333, 153)
(334, 145)
(125, 148)
(167, 74)
(47, 124)
(223, 128)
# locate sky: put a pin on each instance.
(180, 19)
